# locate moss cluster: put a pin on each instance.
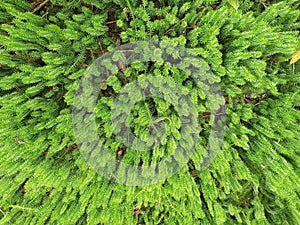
(45, 50)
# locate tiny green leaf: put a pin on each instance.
(234, 4)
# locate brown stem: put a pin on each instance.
(40, 6)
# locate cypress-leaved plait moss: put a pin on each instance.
(244, 48)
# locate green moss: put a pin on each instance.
(44, 178)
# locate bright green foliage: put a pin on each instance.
(253, 180)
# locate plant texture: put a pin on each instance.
(251, 50)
